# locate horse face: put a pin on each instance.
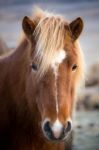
(55, 96)
(55, 89)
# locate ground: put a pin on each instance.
(86, 132)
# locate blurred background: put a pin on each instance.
(86, 134)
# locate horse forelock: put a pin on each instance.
(49, 35)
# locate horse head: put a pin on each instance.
(56, 69)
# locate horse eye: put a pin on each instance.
(74, 67)
(34, 67)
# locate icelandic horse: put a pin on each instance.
(38, 83)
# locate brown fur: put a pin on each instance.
(25, 101)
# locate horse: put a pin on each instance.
(38, 84)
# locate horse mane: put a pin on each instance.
(81, 71)
(49, 35)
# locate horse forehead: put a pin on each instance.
(59, 56)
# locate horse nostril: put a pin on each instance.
(52, 131)
(68, 127)
(56, 131)
(47, 127)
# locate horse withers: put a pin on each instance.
(38, 83)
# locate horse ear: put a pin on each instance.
(28, 26)
(76, 28)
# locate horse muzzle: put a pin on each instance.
(56, 132)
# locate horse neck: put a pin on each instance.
(15, 68)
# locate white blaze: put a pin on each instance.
(57, 128)
(58, 59)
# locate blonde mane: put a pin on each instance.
(50, 35)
